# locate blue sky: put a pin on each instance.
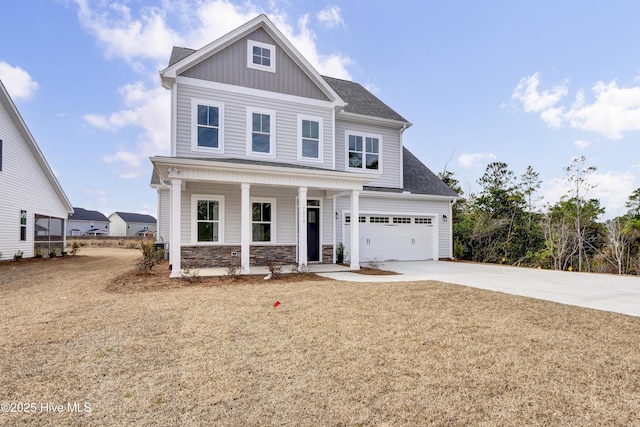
(523, 82)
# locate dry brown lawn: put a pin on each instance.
(157, 353)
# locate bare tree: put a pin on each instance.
(577, 174)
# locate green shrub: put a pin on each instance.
(18, 256)
(150, 255)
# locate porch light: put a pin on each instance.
(444, 218)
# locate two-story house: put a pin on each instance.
(271, 163)
(84, 222)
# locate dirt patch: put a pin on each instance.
(157, 279)
(331, 353)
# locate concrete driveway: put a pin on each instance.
(620, 294)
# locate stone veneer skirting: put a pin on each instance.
(221, 256)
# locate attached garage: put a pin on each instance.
(394, 237)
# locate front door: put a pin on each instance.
(313, 233)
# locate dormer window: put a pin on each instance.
(261, 56)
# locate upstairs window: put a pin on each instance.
(309, 138)
(260, 132)
(207, 125)
(363, 151)
(261, 56)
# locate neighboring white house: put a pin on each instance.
(33, 206)
(270, 161)
(83, 222)
(127, 224)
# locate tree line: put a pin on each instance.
(504, 223)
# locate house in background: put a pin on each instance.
(270, 162)
(33, 206)
(127, 224)
(83, 222)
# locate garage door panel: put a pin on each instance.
(389, 241)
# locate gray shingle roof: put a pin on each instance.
(419, 179)
(361, 101)
(136, 217)
(80, 214)
(179, 53)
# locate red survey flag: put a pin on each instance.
(276, 304)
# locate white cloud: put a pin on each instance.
(581, 144)
(122, 35)
(532, 99)
(144, 39)
(612, 189)
(150, 110)
(331, 17)
(468, 160)
(613, 111)
(17, 81)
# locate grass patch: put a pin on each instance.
(332, 353)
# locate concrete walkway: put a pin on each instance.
(619, 294)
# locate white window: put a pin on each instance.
(207, 129)
(261, 56)
(261, 126)
(363, 151)
(23, 225)
(263, 213)
(310, 138)
(401, 220)
(423, 220)
(379, 220)
(207, 214)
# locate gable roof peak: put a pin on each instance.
(184, 58)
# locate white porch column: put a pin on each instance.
(174, 244)
(355, 230)
(245, 228)
(302, 227)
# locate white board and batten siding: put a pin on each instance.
(25, 186)
(419, 233)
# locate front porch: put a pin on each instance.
(225, 214)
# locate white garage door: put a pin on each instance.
(394, 237)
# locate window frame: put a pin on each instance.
(272, 231)
(320, 121)
(195, 103)
(24, 220)
(272, 132)
(1, 155)
(250, 64)
(364, 136)
(195, 198)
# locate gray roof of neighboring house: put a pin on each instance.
(80, 214)
(135, 217)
